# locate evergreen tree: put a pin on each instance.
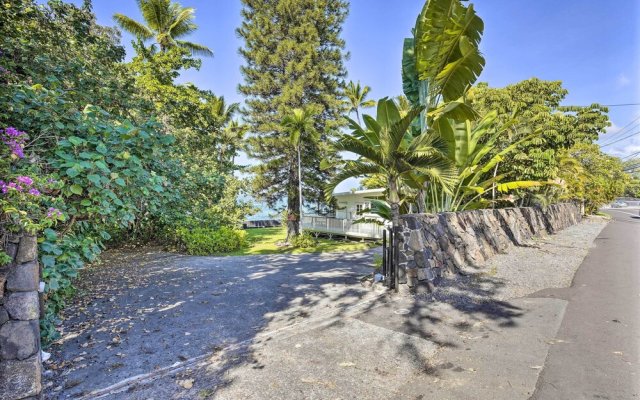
(294, 59)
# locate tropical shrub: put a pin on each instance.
(598, 179)
(208, 241)
(303, 240)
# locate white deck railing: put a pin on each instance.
(342, 227)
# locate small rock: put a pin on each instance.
(347, 364)
(186, 383)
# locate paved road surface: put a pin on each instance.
(597, 355)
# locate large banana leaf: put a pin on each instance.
(447, 35)
(456, 110)
(409, 74)
(462, 138)
(507, 186)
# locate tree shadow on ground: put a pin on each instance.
(139, 312)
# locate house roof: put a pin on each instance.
(377, 191)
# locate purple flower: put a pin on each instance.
(51, 212)
(34, 192)
(25, 179)
(13, 132)
(15, 139)
(3, 187)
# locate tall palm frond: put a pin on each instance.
(357, 97)
(134, 27)
(166, 22)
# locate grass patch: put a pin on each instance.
(263, 241)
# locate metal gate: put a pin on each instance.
(389, 258)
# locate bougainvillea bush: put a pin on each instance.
(94, 173)
(25, 199)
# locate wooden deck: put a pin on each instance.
(341, 227)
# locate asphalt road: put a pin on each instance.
(596, 351)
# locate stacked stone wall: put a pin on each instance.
(20, 356)
(432, 244)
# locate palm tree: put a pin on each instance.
(387, 148)
(298, 123)
(357, 97)
(167, 22)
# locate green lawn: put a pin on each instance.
(263, 241)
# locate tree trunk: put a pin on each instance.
(293, 203)
(422, 198)
(300, 180)
(394, 203)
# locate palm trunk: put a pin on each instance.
(422, 199)
(293, 204)
(394, 203)
(299, 183)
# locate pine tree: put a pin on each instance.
(294, 59)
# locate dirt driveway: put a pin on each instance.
(141, 312)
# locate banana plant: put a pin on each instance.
(468, 147)
(386, 147)
(439, 63)
(442, 59)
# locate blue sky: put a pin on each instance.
(590, 45)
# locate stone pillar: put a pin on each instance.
(20, 357)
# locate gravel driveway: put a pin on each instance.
(138, 312)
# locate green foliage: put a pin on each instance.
(208, 241)
(207, 141)
(533, 106)
(303, 241)
(377, 262)
(598, 179)
(4, 258)
(62, 44)
(294, 59)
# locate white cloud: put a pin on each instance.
(622, 80)
(624, 147)
(612, 129)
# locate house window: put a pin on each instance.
(362, 206)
